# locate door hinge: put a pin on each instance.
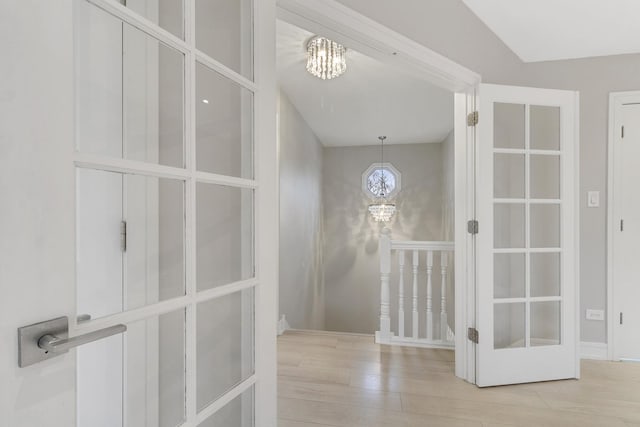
(472, 118)
(472, 226)
(123, 236)
(473, 335)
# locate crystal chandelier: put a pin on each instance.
(326, 59)
(382, 210)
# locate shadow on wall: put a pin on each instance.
(351, 235)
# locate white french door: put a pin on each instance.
(527, 251)
(157, 185)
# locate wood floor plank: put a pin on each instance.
(315, 375)
(505, 414)
(290, 423)
(338, 393)
(628, 411)
(339, 415)
(337, 380)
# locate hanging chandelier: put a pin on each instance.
(382, 209)
(326, 59)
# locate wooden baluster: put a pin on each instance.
(416, 261)
(429, 296)
(385, 270)
(401, 294)
(444, 326)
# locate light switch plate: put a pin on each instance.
(595, 314)
(593, 199)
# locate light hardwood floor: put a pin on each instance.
(347, 380)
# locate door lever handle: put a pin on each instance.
(55, 344)
(45, 340)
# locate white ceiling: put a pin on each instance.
(368, 100)
(545, 30)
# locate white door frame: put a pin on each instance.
(352, 29)
(616, 100)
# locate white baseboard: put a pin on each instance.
(283, 325)
(593, 350)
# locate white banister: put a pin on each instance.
(385, 271)
(414, 329)
(430, 337)
(429, 321)
(401, 294)
(444, 327)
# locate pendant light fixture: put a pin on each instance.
(382, 209)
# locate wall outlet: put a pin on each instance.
(595, 314)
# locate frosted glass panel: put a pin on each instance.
(225, 345)
(224, 235)
(509, 275)
(138, 376)
(130, 91)
(224, 131)
(509, 176)
(545, 177)
(509, 325)
(545, 127)
(237, 413)
(509, 125)
(224, 31)
(509, 225)
(130, 239)
(545, 226)
(168, 14)
(545, 274)
(545, 323)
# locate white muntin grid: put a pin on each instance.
(190, 178)
(527, 202)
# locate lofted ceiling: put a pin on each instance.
(368, 100)
(546, 30)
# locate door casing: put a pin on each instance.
(346, 26)
(616, 101)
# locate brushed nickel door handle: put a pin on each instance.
(45, 340)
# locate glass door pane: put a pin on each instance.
(224, 31)
(130, 241)
(137, 378)
(224, 129)
(225, 345)
(130, 91)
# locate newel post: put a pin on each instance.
(384, 333)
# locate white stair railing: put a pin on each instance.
(441, 337)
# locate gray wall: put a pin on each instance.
(302, 294)
(351, 259)
(450, 28)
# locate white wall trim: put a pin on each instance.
(346, 26)
(371, 38)
(594, 350)
(616, 100)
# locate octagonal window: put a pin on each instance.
(381, 180)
